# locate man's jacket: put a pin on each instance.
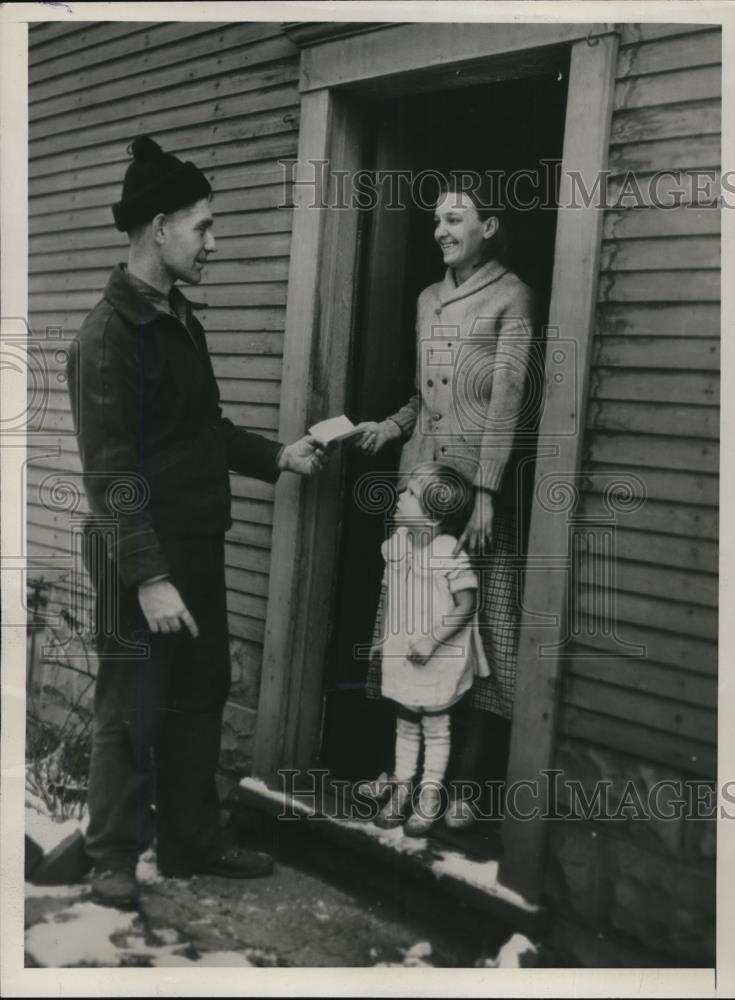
(154, 445)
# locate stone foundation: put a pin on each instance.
(238, 728)
(630, 891)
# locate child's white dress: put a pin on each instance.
(420, 584)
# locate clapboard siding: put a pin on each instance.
(224, 95)
(652, 420)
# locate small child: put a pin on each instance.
(430, 648)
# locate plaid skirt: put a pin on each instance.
(499, 573)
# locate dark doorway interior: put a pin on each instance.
(502, 126)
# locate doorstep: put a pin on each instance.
(469, 881)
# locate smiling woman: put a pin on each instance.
(463, 234)
(474, 333)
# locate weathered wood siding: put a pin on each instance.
(653, 414)
(224, 95)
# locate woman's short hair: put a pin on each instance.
(485, 199)
(445, 495)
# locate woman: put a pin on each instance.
(474, 331)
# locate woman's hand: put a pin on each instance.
(375, 435)
(479, 530)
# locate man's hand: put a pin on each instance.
(479, 530)
(163, 608)
(375, 435)
(306, 457)
(420, 649)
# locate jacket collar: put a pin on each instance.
(136, 308)
(450, 291)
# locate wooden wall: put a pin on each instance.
(224, 95)
(653, 414)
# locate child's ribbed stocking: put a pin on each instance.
(436, 746)
(408, 744)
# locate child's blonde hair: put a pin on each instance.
(446, 496)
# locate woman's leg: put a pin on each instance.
(484, 720)
(479, 772)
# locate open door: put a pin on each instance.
(505, 126)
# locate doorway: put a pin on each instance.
(504, 127)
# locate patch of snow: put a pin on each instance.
(80, 933)
(422, 949)
(512, 953)
(53, 891)
(167, 935)
(256, 785)
(147, 871)
(86, 933)
(47, 832)
(33, 801)
(482, 874)
(415, 957)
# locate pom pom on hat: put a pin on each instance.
(156, 182)
(145, 148)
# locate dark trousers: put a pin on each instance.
(158, 716)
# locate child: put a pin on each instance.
(430, 648)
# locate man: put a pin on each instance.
(156, 452)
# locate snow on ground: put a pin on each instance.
(47, 832)
(483, 874)
(53, 891)
(147, 871)
(416, 957)
(87, 934)
(513, 953)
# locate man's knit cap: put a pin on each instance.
(156, 182)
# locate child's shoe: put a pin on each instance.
(426, 811)
(460, 815)
(396, 809)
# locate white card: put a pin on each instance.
(334, 429)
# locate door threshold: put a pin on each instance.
(453, 871)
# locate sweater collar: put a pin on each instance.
(450, 291)
(137, 308)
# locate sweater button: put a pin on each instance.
(430, 383)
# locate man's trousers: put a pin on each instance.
(158, 715)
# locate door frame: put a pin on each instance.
(341, 64)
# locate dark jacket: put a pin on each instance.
(154, 445)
